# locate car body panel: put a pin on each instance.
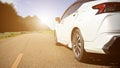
(96, 30)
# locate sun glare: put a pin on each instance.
(47, 17)
(47, 20)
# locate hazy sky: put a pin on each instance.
(45, 9)
(40, 7)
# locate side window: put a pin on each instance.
(71, 9)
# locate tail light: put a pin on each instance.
(107, 7)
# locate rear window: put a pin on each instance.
(74, 7)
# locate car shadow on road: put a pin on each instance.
(104, 60)
(99, 59)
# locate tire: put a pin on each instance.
(78, 45)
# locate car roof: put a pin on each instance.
(85, 0)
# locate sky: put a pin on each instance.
(46, 10)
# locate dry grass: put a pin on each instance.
(12, 34)
(47, 32)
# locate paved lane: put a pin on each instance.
(38, 50)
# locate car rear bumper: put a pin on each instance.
(113, 46)
(106, 43)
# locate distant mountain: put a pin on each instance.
(11, 22)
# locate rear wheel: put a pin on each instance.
(78, 45)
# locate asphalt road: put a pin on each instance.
(38, 50)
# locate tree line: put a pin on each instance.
(10, 21)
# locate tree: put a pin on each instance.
(11, 22)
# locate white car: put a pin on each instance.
(90, 26)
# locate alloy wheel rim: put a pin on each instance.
(77, 45)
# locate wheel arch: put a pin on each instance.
(75, 29)
(80, 34)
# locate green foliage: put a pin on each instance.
(10, 34)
